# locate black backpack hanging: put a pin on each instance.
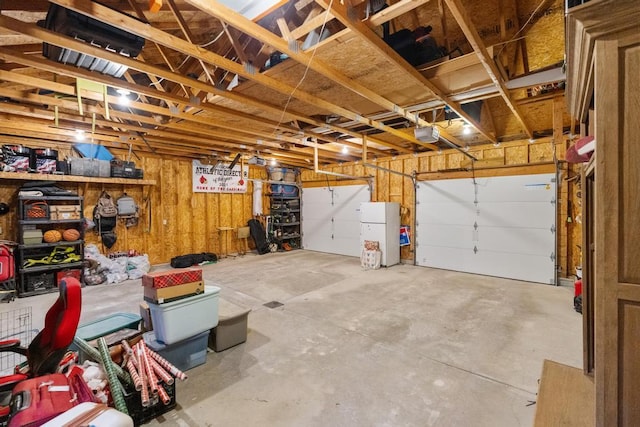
(105, 214)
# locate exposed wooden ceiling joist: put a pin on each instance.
(307, 59)
(107, 15)
(342, 13)
(470, 32)
(154, 72)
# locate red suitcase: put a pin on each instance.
(37, 400)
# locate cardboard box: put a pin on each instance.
(64, 212)
(165, 279)
(172, 293)
(32, 237)
(145, 313)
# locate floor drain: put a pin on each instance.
(273, 304)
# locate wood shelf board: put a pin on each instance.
(23, 176)
(566, 397)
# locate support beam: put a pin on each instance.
(282, 44)
(66, 42)
(109, 16)
(468, 28)
(363, 31)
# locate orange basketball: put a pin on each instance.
(52, 236)
(71, 235)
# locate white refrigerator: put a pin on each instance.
(380, 221)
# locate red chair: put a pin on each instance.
(48, 348)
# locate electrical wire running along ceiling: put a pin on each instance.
(218, 78)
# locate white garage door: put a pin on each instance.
(500, 226)
(331, 218)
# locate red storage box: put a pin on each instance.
(164, 279)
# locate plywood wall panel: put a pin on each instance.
(541, 152)
(516, 155)
(152, 222)
(199, 225)
(396, 182)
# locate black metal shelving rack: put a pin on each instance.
(42, 278)
(286, 222)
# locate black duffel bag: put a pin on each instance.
(184, 261)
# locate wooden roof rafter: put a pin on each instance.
(362, 30)
(114, 18)
(84, 48)
(468, 28)
(69, 90)
(39, 123)
(283, 44)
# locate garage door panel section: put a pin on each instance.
(524, 241)
(331, 218)
(515, 266)
(450, 236)
(497, 226)
(519, 188)
(514, 214)
(456, 214)
(447, 258)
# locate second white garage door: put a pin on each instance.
(331, 218)
(499, 226)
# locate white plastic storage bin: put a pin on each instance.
(178, 320)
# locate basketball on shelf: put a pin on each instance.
(52, 236)
(71, 235)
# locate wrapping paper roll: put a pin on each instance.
(151, 376)
(160, 372)
(163, 395)
(144, 393)
(95, 356)
(126, 347)
(114, 384)
(168, 366)
(137, 381)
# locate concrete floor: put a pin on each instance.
(403, 346)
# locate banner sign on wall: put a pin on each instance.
(219, 179)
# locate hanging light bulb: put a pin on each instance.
(79, 135)
(273, 162)
(466, 129)
(124, 97)
(345, 149)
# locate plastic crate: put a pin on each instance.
(39, 282)
(107, 325)
(141, 414)
(185, 354)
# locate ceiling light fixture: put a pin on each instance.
(531, 140)
(345, 149)
(496, 144)
(79, 135)
(273, 162)
(466, 129)
(124, 97)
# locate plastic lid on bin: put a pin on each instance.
(107, 325)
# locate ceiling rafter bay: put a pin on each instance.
(205, 82)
